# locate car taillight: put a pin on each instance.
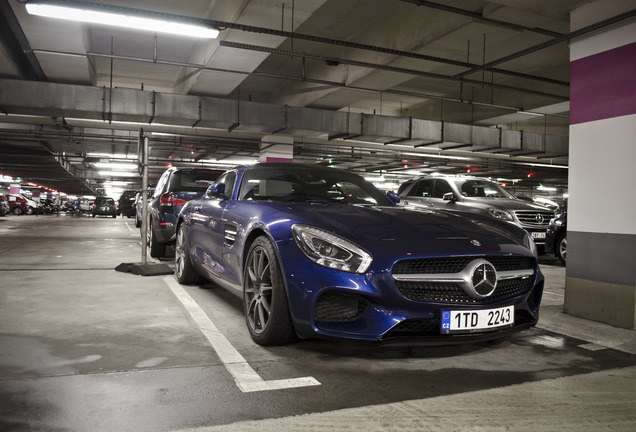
(94, 205)
(166, 199)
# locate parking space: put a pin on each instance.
(84, 347)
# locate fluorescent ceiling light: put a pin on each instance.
(117, 174)
(546, 188)
(530, 113)
(124, 166)
(120, 20)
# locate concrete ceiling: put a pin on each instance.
(500, 63)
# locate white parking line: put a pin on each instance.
(245, 377)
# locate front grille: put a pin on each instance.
(440, 292)
(339, 307)
(457, 264)
(529, 218)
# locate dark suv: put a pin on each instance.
(557, 235)
(127, 203)
(176, 187)
(476, 195)
(104, 206)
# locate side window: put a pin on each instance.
(228, 179)
(441, 187)
(423, 189)
(161, 183)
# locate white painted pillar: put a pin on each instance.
(275, 148)
(601, 259)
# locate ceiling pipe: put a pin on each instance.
(580, 32)
(338, 60)
(283, 77)
(479, 17)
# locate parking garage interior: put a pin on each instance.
(536, 96)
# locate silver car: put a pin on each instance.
(476, 195)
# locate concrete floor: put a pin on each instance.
(86, 348)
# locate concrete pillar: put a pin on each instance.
(275, 148)
(601, 260)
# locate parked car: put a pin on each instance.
(18, 205)
(319, 252)
(476, 195)
(175, 187)
(139, 206)
(84, 205)
(48, 205)
(34, 206)
(127, 203)
(4, 205)
(556, 240)
(68, 206)
(104, 206)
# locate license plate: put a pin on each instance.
(537, 235)
(470, 321)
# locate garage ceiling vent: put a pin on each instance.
(131, 105)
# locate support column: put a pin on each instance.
(601, 262)
(275, 148)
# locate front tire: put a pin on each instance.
(561, 248)
(183, 264)
(264, 297)
(17, 211)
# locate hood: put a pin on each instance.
(503, 204)
(425, 231)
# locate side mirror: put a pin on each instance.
(449, 196)
(217, 190)
(393, 196)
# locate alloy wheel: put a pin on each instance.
(258, 290)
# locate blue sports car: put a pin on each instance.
(320, 252)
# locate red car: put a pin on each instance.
(18, 205)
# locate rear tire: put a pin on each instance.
(264, 297)
(157, 250)
(17, 211)
(184, 269)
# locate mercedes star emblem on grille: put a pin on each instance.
(484, 279)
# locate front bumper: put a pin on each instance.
(370, 308)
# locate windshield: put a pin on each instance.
(193, 180)
(293, 183)
(477, 188)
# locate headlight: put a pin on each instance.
(331, 251)
(500, 214)
(529, 243)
